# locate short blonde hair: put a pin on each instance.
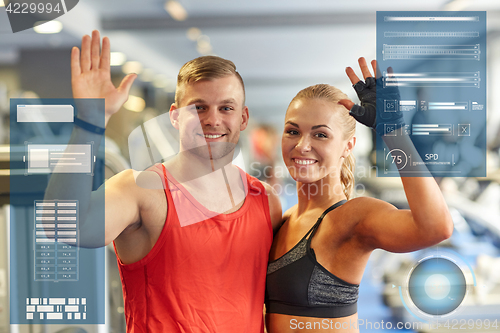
(205, 68)
(348, 123)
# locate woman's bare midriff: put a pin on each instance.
(280, 323)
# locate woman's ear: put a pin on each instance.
(349, 146)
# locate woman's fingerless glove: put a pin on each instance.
(366, 113)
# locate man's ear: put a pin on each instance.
(174, 116)
(244, 118)
(349, 146)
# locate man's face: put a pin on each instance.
(210, 117)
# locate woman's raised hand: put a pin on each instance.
(367, 93)
(366, 113)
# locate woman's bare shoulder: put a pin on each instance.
(353, 212)
(366, 204)
(288, 212)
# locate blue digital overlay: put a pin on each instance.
(437, 286)
(55, 277)
(437, 61)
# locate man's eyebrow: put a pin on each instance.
(197, 100)
(202, 101)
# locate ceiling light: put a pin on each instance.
(50, 27)
(203, 39)
(203, 45)
(117, 58)
(457, 5)
(147, 75)
(204, 49)
(135, 104)
(175, 9)
(193, 34)
(160, 81)
(132, 67)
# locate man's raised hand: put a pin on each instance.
(91, 76)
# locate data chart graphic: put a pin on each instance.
(56, 240)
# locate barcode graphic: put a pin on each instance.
(436, 52)
(56, 308)
(434, 34)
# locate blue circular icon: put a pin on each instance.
(437, 286)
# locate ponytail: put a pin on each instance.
(347, 175)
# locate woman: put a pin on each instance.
(319, 255)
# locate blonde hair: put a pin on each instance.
(348, 123)
(205, 68)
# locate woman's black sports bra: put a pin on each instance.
(298, 285)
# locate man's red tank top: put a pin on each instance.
(207, 276)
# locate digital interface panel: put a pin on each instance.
(437, 61)
(56, 274)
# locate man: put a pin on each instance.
(193, 234)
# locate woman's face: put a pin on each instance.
(313, 143)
